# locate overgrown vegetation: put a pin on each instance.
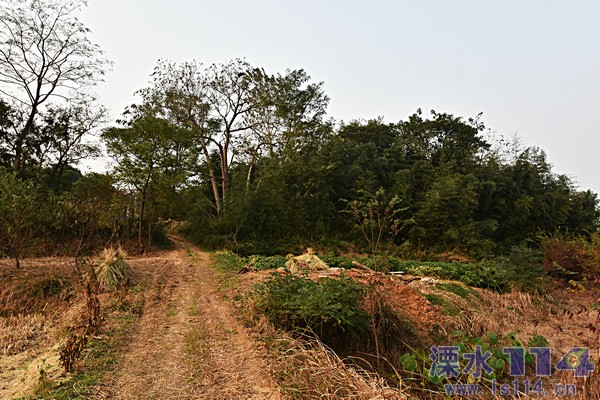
(100, 356)
(89, 324)
(330, 307)
(567, 257)
(308, 369)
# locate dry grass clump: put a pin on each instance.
(307, 369)
(499, 313)
(16, 332)
(306, 261)
(111, 269)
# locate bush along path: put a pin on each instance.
(187, 343)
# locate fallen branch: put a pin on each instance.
(359, 265)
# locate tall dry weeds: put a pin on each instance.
(91, 319)
(307, 369)
(18, 331)
(499, 313)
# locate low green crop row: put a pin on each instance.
(494, 275)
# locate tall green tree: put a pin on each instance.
(149, 151)
(236, 113)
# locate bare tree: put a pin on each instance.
(45, 53)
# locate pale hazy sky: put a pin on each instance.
(531, 67)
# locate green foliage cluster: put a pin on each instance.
(228, 261)
(337, 261)
(458, 289)
(253, 165)
(457, 192)
(521, 268)
(73, 218)
(24, 214)
(330, 307)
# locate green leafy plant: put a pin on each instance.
(377, 218)
(485, 275)
(24, 214)
(416, 366)
(267, 262)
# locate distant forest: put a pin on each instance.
(250, 161)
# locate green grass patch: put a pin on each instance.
(434, 299)
(447, 306)
(228, 263)
(458, 289)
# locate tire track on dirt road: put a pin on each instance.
(187, 344)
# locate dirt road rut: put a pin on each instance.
(187, 344)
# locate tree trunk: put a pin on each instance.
(250, 166)
(149, 241)
(141, 222)
(215, 187)
(21, 139)
(224, 176)
(213, 178)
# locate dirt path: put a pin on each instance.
(187, 344)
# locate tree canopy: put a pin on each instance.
(250, 161)
(45, 57)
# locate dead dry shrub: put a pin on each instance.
(307, 261)
(498, 313)
(587, 388)
(111, 269)
(32, 294)
(565, 257)
(392, 332)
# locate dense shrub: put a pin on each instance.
(330, 307)
(160, 238)
(522, 268)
